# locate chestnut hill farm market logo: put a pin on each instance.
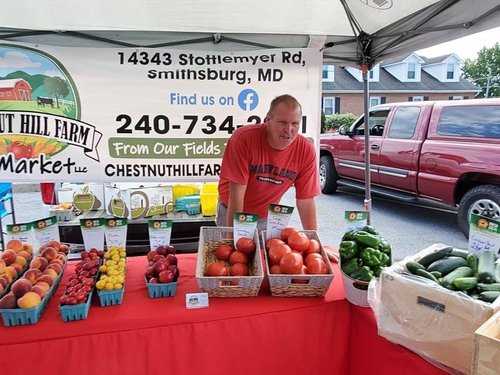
(39, 114)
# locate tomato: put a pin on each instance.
(291, 263)
(312, 256)
(273, 241)
(217, 269)
(223, 251)
(317, 267)
(239, 269)
(285, 232)
(298, 241)
(245, 245)
(277, 251)
(238, 257)
(21, 150)
(313, 247)
(275, 269)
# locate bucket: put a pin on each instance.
(356, 291)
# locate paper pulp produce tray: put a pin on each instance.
(226, 286)
(435, 322)
(283, 285)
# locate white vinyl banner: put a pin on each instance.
(139, 114)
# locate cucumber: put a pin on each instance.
(472, 262)
(437, 274)
(446, 265)
(489, 296)
(432, 257)
(465, 283)
(427, 275)
(459, 253)
(459, 272)
(482, 287)
(486, 267)
(413, 267)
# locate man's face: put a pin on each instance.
(283, 126)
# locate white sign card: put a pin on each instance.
(244, 225)
(115, 232)
(160, 232)
(278, 217)
(46, 229)
(92, 233)
(484, 234)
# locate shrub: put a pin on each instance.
(333, 122)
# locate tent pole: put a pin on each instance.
(368, 199)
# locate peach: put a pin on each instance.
(21, 260)
(21, 287)
(58, 261)
(49, 253)
(2, 288)
(2, 266)
(43, 285)
(45, 278)
(39, 262)
(61, 257)
(64, 249)
(11, 272)
(28, 247)
(15, 245)
(4, 280)
(29, 300)
(26, 255)
(53, 243)
(40, 290)
(8, 256)
(17, 267)
(9, 301)
(54, 266)
(32, 275)
(52, 273)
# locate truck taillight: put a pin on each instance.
(48, 192)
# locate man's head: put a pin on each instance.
(283, 121)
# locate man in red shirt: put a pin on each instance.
(261, 162)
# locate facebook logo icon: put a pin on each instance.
(248, 100)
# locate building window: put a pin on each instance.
(450, 71)
(327, 73)
(370, 74)
(411, 70)
(417, 98)
(375, 100)
(457, 98)
(331, 105)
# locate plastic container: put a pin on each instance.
(193, 209)
(158, 290)
(76, 312)
(183, 190)
(111, 297)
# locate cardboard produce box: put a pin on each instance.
(88, 196)
(487, 347)
(138, 202)
(434, 322)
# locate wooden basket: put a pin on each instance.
(226, 286)
(487, 347)
(282, 285)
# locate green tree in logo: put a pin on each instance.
(56, 87)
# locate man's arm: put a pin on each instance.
(307, 213)
(236, 200)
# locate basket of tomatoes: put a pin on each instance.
(225, 268)
(297, 264)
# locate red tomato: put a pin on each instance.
(21, 150)
(291, 263)
(273, 241)
(285, 232)
(217, 269)
(298, 241)
(223, 251)
(317, 267)
(245, 245)
(313, 247)
(239, 269)
(312, 256)
(275, 269)
(277, 251)
(238, 257)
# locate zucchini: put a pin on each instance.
(489, 296)
(459, 253)
(472, 262)
(437, 274)
(446, 265)
(459, 272)
(465, 283)
(482, 287)
(432, 257)
(486, 267)
(427, 275)
(413, 267)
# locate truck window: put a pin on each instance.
(404, 122)
(470, 121)
(376, 123)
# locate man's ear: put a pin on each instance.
(266, 119)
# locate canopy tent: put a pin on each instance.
(351, 32)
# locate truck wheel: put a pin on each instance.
(327, 175)
(482, 200)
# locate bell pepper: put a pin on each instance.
(350, 266)
(377, 270)
(384, 246)
(348, 249)
(370, 229)
(385, 260)
(348, 236)
(367, 239)
(364, 273)
(370, 256)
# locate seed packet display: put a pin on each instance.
(160, 232)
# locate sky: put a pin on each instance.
(467, 47)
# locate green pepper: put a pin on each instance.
(370, 229)
(377, 270)
(385, 260)
(348, 236)
(350, 266)
(367, 239)
(384, 246)
(364, 274)
(370, 256)
(348, 249)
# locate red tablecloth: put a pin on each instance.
(262, 335)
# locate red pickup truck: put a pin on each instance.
(446, 151)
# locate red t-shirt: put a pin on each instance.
(268, 173)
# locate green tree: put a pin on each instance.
(56, 87)
(484, 71)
